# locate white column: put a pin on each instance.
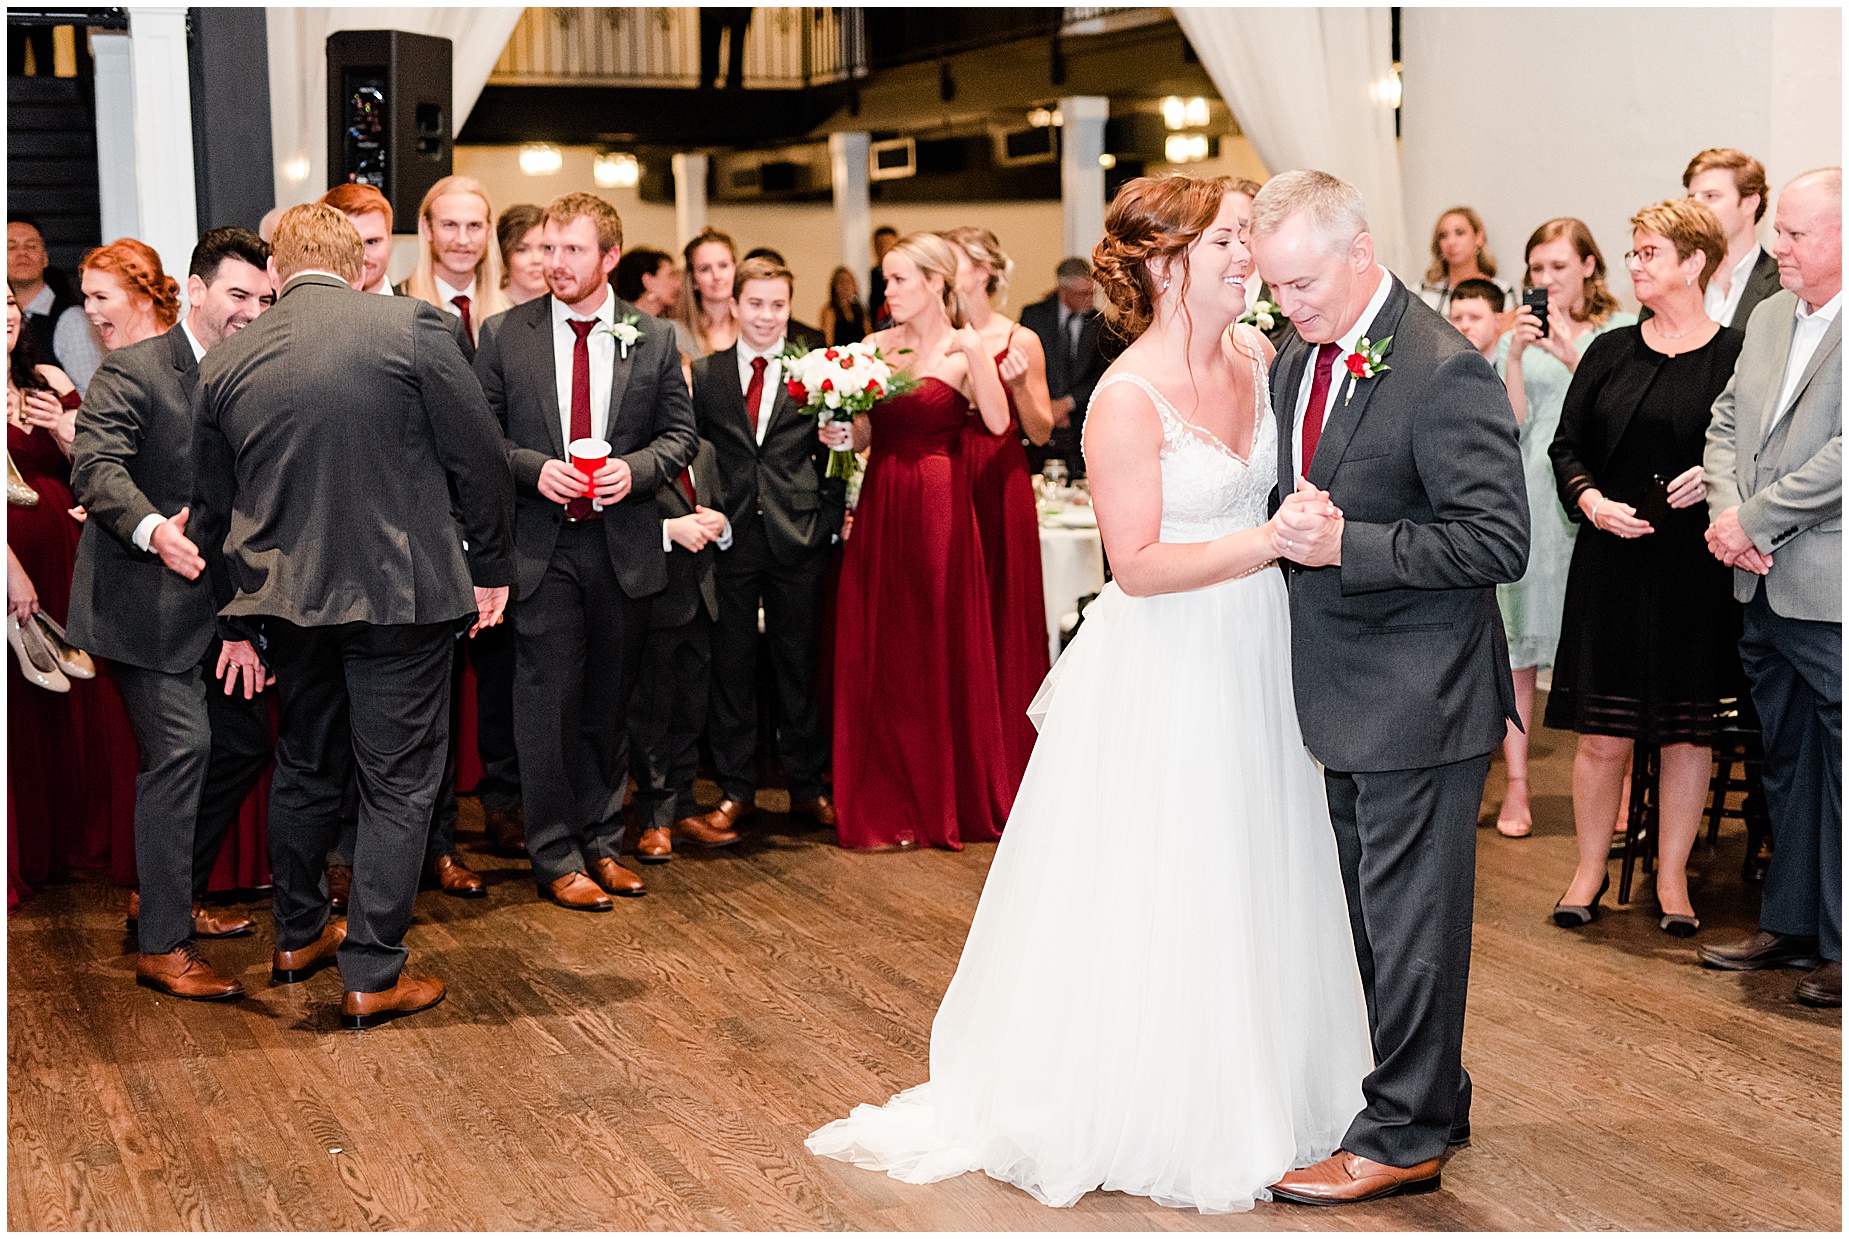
(164, 135)
(847, 159)
(115, 135)
(689, 196)
(1081, 176)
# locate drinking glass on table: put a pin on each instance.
(1054, 471)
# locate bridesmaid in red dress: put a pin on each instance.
(919, 751)
(996, 466)
(71, 757)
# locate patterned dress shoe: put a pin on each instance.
(703, 832)
(506, 832)
(1822, 988)
(183, 973)
(1764, 949)
(615, 879)
(577, 892)
(288, 967)
(407, 996)
(339, 886)
(452, 877)
(209, 923)
(656, 846)
(1348, 1178)
(821, 808)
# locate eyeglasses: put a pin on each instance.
(1644, 256)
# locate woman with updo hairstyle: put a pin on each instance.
(919, 750)
(126, 295)
(997, 470)
(705, 306)
(1163, 933)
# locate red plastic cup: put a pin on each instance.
(588, 456)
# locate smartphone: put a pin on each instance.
(1654, 506)
(1536, 299)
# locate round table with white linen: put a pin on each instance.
(1071, 566)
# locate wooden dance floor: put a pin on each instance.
(658, 1067)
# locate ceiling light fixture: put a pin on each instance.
(541, 159)
(1174, 112)
(616, 170)
(1196, 113)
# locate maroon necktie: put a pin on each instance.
(461, 302)
(687, 485)
(754, 391)
(578, 509)
(1319, 397)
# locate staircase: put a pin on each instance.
(51, 162)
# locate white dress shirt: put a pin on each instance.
(384, 289)
(1720, 306)
(1338, 378)
(773, 375)
(603, 364)
(144, 532)
(1807, 330)
(447, 294)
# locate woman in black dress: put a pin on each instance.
(1649, 642)
(843, 321)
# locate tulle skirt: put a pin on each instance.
(1159, 992)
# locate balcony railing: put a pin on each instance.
(785, 48)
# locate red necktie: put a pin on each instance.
(578, 509)
(687, 485)
(754, 391)
(461, 302)
(1319, 397)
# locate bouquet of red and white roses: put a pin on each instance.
(834, 384)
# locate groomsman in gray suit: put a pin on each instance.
(1774, 472)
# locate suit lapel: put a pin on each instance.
(725, 361)
(1350, 405)
(540, 324)
(620, 370)
(1826, 348)
(184, 362)
(1284, 407)
(779, 405)
(1762, 411)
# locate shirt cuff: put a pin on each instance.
(724, 542)
(144, 532)
(667, 543)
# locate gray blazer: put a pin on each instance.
(327, 436)
(133, 458)
(1788, 487)
(1398, 653)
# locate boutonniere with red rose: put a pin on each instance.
(1366, 362)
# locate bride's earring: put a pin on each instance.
(1165, 284)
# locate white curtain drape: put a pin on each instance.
(298, 76)
(1310, 87)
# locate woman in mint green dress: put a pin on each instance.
(1563, 258)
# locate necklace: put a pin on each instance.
(1677, 336)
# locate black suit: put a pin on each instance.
(328, 434)
(1070, 372)
(1762, 283)
(785, 514)
(1402, 684)
(200, 750)
(668, 711)
(581, 618)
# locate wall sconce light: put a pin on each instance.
(1196, 113)
(297, 169)
(1107, 161)
(1174, 112)
(616, 170)
(1387, 91)
(541, 159)
(1040, 118)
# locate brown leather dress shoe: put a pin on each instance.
(184, 973)
(339, 887)
(722, 821)
(406, 997)
(656, 846)
(1822, 988)
(288, 967)
(1347, 1178)
(455, 878)
(208, 923)
(506, 832)
(577, 892)
(615, 879)
(709, 830)
(821, 808)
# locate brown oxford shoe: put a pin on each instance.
(821, 808)
(614, 878)
(288, 967)
(452, 877)
(183, 973)
(506, 832)
(1822, 988)
(407, 996)
(339, 887)
(1347, 1178)
(656, 846)
(577, 892)
(704, 832)
(208, 923)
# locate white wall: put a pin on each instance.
(1527, 114)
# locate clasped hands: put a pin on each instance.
(697, 529)
(1729, 543)
(561, 482)
(1307, 528)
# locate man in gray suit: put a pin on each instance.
(327, 437)
(202, 745)
(1774, 473)
(1398, 657)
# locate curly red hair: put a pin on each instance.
(139, 268)
(1151, 217)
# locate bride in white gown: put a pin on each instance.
(1159, 992)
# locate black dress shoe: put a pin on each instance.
(1577, 916)
(1822, 988)
(1764, 949)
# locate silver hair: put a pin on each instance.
(1336, 209)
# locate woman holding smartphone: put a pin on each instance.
(1649, 641)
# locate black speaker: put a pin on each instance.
(388, 115)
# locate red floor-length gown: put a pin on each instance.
(996, 469)
(919, 750)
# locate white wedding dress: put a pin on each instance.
(1159, 992)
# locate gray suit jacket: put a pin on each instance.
(1789, 486)
(1398, 653)
(327, 436)
(134, 458)
(650, 426)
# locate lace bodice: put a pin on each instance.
(1208, 491)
